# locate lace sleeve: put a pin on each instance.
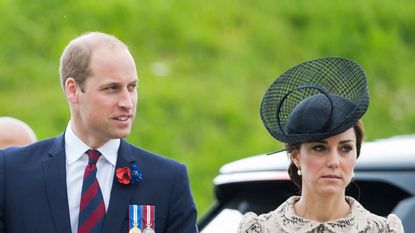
(394, 224)
(249, 224)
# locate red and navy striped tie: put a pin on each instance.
(92, 207)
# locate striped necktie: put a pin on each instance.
(92, 207)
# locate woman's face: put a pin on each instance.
(327, 165)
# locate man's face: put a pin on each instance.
(107, 103)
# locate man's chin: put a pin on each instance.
(121, 134)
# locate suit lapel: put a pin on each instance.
(54, 174)
(120, 193)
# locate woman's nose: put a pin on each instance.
(333, 160)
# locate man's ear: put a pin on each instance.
(72, 90)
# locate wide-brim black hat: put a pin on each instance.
(315, 100)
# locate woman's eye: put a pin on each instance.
(319, 148)
(346, 148)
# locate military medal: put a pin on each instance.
(142, 219)
(134, 230)
(148, 216)
(135, 216)
(148, 230)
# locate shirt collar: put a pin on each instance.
(75, 147)
(290, 222)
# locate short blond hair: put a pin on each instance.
(76, 56)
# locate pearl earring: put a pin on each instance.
(352, 174)
(299, 172)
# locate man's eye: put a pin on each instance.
(132, 87)
(111, 88)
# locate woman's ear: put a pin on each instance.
(295, 157)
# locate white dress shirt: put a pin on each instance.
(76, 161)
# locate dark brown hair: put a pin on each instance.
(292, 169)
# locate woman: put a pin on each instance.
(315, 109)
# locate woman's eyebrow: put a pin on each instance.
(320, 141)
(346, 141)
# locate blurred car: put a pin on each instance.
(384, 183)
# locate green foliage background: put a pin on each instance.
(219, 56)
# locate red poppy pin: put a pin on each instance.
(127, 175)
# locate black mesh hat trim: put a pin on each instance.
(337, 76)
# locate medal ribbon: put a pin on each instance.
(135, 216)
(148, 216)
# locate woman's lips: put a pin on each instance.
(331, 177)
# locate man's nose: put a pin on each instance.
(127, 99)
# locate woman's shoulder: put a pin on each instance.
(264, 223)
(391, 223)
(253, 223)
(370, 222)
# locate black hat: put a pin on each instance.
(315, 100)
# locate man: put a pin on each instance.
(14, 132)
(89, 179)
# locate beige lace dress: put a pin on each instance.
(284, 220)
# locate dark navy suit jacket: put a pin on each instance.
(33, 192)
